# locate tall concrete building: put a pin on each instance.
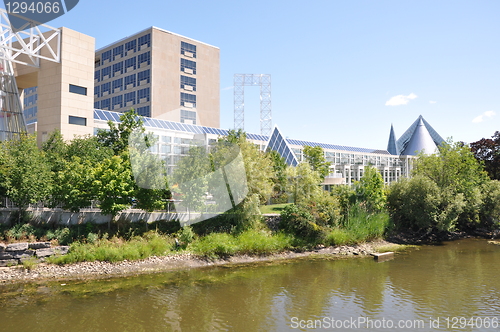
(158, 73)
(161, 75)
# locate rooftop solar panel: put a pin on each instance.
(100, 116)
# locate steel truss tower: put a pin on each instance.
(264, 81)
(26, 46)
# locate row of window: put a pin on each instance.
(188, 100)
(188, 49)
(30, 100)
(127, 99)
(122, 67)
(124, 49)
(123, 83)
(188, 117)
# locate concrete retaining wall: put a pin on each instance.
(58, 216)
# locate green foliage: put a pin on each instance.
(117, 137)
(487, 151)
(186, 235)
(419, 204)
(370, 190)
(303, 182)
(215, 245)
(113, 185)
(456, 173)
(325, 208)
(279, 179)
(315, 156)
(490, 209)
(114, 250)
(298, 221)
(25, 171)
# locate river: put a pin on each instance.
(450, 287)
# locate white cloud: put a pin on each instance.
(400, 100)
(432, 101)
(480, 118)
(227, 88)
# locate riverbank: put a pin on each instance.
(155, 264)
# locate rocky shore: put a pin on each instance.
(97, 270)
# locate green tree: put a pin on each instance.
(117, 137)
(487, 150)
(315, 156)
(191, 177)
(370, 190)
(26, 172)
(112, 185)
(279, 178)
(455, 170)
(303, 182)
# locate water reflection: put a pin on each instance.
(458, 279)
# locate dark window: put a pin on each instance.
(106, 72)
(76, 120)
(187, 82)
(144, 111)
(118, 50)
(144, 57)
(129, 96)
(97, 91)
(105, 104)
(117, 100)
(78, 89)
(144, 40)
(188, 115)
(129, 80)
(130, 46)
(106, 87)
(186, 47)
(118, 84)
(143, 75)
(97, 104)
(106, 56)
(97, 75)
(118, 67)
(188, 98)
(144, 93)
(188, 64)
(130, 63)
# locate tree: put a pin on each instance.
(279, 179)
(315, 156)
(117, 137)
(303, 182)
(112, 185)
(26, 172)
(370, 189)
(455, 170)
(487, 150)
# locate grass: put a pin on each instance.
(273, 209)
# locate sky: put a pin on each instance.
(342, 71)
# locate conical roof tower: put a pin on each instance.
(420, 141)
(392, 146)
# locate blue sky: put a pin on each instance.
(342, 71)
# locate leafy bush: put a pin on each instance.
(215, 245)
(297, 220)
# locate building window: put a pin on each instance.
(97, 91)
(130, 46)
(78, 89)
(129, 97)
(188, 49)
(118, 67)
(97, 75)
(142, 94)
(129, 80)
(106, 56)
(118, 51)
(188, 100)
(97, 104)
(106, 72)
(188, 117)
(118, 84)
(117, 102)
(144, 40)
(105, 104)
(130, 63)
(188, 66)
(106, 89)
(143, 76)
(188, 83)
(144, 111)
(76, 120)
(144, 58)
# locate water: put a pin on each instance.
(451, 283)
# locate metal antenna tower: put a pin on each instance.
(26, 47)
(264, 81)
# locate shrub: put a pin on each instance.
(215, 245)
(298, 221)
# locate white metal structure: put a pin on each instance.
(27, 46)
(264, 81)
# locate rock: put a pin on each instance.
(4, 256)
(39, 245)
(23, 254)
(44, 252)
(17, 246)
(61, 250)
(8, 262)
(2, 247)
